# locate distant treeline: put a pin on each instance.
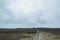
(29, 29)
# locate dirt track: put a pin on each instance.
(40, 36)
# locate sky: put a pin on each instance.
(29, 13)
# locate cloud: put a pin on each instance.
(29, 13)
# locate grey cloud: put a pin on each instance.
(48, 17)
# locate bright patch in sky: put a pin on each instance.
(25, 7)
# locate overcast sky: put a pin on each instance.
(29, 13)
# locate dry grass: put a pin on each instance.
(53, 35)
(16, 36)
